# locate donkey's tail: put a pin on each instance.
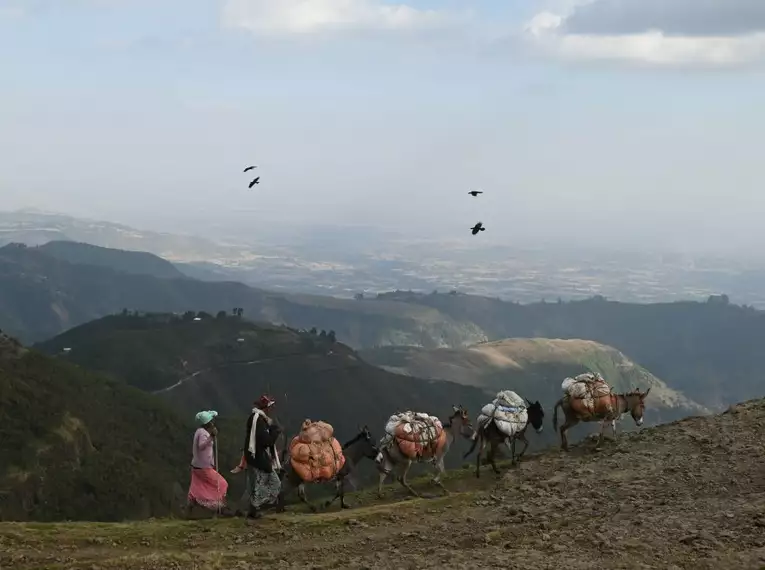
(558, 404)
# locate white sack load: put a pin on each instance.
(425, 427)
(411, 420)
(567, 383)
(508, 410)
(510, 399)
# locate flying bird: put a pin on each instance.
(478, 228)
(256, 181)
(249, 168)
(475, 193)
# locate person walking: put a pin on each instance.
(208, 488)
(263, 483)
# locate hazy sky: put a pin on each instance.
(627, 121)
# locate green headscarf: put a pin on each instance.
(204, 418)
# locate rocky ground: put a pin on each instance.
(685, 495)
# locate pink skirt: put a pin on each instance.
(208, 488)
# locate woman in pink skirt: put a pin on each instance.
(208, 488)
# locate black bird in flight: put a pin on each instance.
(256, 181)
(475, 193)
(249, 168)
(477, 228)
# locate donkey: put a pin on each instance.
(491, 433)
(360, 447)
(391, 457)
(632, 402)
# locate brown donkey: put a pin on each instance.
(606, 409)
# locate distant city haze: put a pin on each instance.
(594, 123)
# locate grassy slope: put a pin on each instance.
(311, 377)
(76, 445)
(534, 368)
(684, 495)
(708, 351)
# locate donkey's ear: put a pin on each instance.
(455, 408)
(528, 402)
(643, 396)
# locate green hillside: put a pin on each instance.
(225, 363)
(136, 262)
(535, 368)
(75, 445)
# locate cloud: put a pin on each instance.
(12, 11)
(698, 18)
(654, 32)
(304, 17)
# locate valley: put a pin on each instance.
(344, 262)
(136, 323)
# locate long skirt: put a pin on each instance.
(208, 488)
(263, 488)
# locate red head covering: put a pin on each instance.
(265, 402)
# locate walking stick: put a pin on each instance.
(217, 480)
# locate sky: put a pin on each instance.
(631, 122)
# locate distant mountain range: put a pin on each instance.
(33, 227)
(42, 293)
(708, 351)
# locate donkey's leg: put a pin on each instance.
(492, 456)
(567, 425)
(510, 444)
(383, 476)
(525, 441)
(613, 429)
(402, 477)
(304, 498)
(481, 447)
(290, 481)
(337, 494)
(440, 471)
(600, 436)
(341, 490)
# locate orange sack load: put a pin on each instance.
(315, 454)
(417, 435)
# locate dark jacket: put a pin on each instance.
(265, 438)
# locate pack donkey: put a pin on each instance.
(607, 408)
(392, 458)
(489, 432)
(360, 447)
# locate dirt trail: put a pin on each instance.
(685, 495)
